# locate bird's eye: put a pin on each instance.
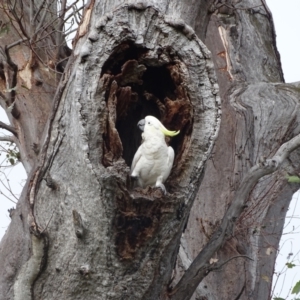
(149, 123)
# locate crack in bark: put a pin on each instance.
(240, 293)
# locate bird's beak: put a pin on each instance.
(141, 124)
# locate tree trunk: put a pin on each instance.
(81, 231)
(259, 113)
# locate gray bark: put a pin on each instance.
(30, 70)
(257, 116)
(81, 231)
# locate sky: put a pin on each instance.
(287, 24)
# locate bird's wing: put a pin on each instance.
(171, 155)
(136, 158)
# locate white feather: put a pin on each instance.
(153, 161)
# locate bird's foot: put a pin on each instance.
(133, 181)
(161, 185)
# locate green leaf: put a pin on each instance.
(12, 161)
(296, 288)
(290, 265)
(278, 298)
(4, 30)
(24, 87)
(293, 179)
(18, 155)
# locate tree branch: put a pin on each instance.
(74, 13)
(18, 20)
(15, 202)
(61, 22)
(7, 187)
(200, 266)
(44, 27)
(66, 34)
(72, 5)
(41, 22)
(38, 10)
(7, 138)
(9, 128)
(31, 8)
(16, 43)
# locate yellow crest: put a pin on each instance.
(167, 132)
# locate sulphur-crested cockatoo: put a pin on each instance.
(153, 161)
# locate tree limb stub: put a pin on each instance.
(200, 266)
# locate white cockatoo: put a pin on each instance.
(153, 161)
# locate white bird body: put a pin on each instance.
(153, 161)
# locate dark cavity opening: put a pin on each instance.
(138, 83)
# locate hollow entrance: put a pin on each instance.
(139, 82)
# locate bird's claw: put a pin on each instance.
(160, 185)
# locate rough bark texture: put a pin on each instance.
(258, 115)
(29, 71)
(80, 230)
